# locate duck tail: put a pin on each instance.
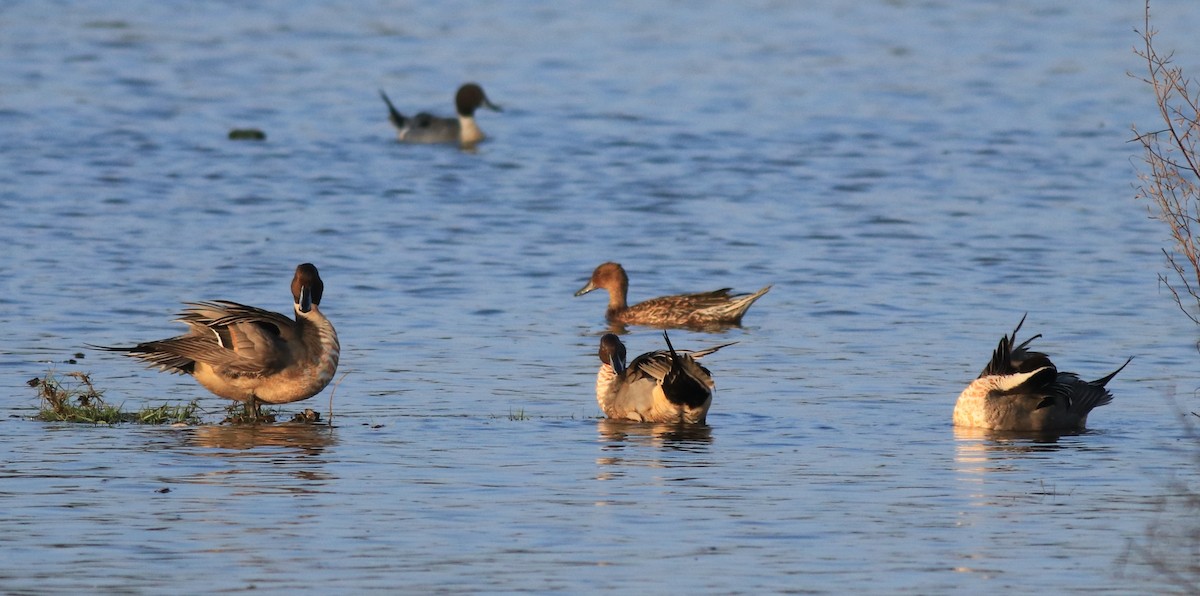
(1081, 396)
(1086, 396)
(681, 384)
(738, 305)
(1102, 381)
(158, 354)
(394, 115)
(707, 351)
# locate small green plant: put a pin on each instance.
(243, 413)
(63, 400)
(78, 401)
(169, 414)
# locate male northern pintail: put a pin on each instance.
(700, 310)
(252, 355)
(427, 128)
(661, 386)
(1022, 390)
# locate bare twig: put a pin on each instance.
(333, 391)
(1172, 182)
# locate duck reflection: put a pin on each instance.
(980, 451)
(999, 467)
(661, 445)
(263, 459)
(310, 439)
(684, 437)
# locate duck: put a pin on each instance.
(1022, 390)
(249, 354)
(701, 310)
(664, 386)
(427, 128)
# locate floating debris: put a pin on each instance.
(309, 416)
(247, 134)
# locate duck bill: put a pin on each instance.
(491, 106)
(305, 303)
(586, 288)
(618, 364)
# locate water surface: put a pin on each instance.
(912, 177)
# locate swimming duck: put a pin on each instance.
(427, 128)
(1022, 390)
(700, 310)
(661, 386)
(252, 355)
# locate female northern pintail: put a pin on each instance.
(700, 310)
(252, 355)
(427, 128)
(1022, 390)
(661, 386)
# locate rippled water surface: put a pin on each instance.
(911, 176)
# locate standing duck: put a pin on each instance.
(699, 311)
(427, 128)
(252, 355)
(661, 386)
(1022, 390)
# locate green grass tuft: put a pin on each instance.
(241, 413)
(64, 400)
(169, 414)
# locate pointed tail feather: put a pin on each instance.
(736, 308)
(707, 351)
(393, 114)
(152, 354)
(1102, 381)
(1083, 397)
(680, 385)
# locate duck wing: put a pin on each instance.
(1008, 359)
(238, 339)
(248, 340)
(696, 301)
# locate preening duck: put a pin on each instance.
(1022, 390)
(661, 386)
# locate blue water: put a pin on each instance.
(912, 177)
